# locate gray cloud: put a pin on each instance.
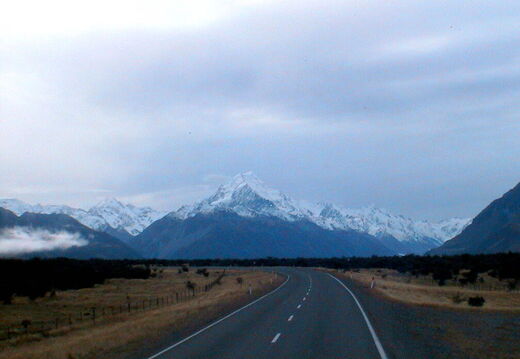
(407, 105)
(21, 240)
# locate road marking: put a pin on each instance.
(290, 318)
(218, 321)
(299, 306)
(304, 298)
(275, 338)
(379, 346)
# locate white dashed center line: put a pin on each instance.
(290, 318)
(304, 298)
(275, 338)
(299, 306)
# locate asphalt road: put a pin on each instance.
(312, 315)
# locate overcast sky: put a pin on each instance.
(409, 105)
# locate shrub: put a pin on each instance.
(458, 298)
(190, 285)
(6, 296)
(511, 284)
(240, 280)
(476, 301)
(25, 324)
(203, 271)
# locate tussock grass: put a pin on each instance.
(126, 331)
(422, 290)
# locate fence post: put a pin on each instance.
(129, 309)
(8, 332)
(177, 297)
(56, 320)
(94, 315)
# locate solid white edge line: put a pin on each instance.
(218, 321)
(276, 338)
(379, 346)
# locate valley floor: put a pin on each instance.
(115, 334)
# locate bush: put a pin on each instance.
(512, 284)
(190, 285)
(203, 271)
(476, 301)
(458, 298)
(240, 280)
(25, 324)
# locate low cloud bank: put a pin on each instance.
(20, 240)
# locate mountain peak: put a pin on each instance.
(109, 212)
(247, 180)
(109, 202)
(244, 179)
(246, 195)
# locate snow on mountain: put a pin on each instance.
(248, 196)
(379, 223)
(109, 212)
(118, 215)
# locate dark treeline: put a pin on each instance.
(36, 277)
(501, 266)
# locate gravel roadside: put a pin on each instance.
(410, 331)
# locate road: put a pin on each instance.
(311, 315)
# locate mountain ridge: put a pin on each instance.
(109, 215)
(246, 195)
(495, 229)
(56, 235)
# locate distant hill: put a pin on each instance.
(56, 235)
(495, 229)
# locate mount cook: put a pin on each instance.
(246, 218)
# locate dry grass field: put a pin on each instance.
(423, 290)
(114, 331)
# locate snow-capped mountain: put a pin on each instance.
(107, 214)
(118, 215)
(379, 223)
(246, 218)
(247, 196)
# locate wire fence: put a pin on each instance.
(95, 314)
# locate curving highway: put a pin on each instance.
(311, 315)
